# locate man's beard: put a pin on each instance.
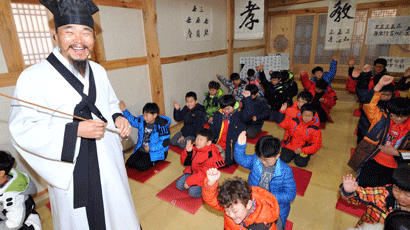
(80, 65)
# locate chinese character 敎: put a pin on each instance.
(339, 10)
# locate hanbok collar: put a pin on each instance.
(84, 80)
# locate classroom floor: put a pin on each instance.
(315, 210)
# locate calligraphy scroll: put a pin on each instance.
(249, 19)
(340, 24)
(390, 30)
(197, 21)
(275, 62)
(397, 64)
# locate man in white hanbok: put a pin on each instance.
(81, 160)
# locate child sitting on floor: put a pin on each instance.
(327, 76)
(211, 102)
(235, 85)
(244, 206)
(261, 112)
(153, 137)
(229, 122)
(198, 158)
(16, 189)
(304, 137)
(273, 88)
(380, 201)
(268, 171)
(193, 115)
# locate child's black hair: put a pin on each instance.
(276, 74)
(285, 75)
(206, 133)
(151, 108)
(267, 146)
(322, 84)
(214, 85)
(227, 100)
(401, 177)
(253, 88)
(251, 72)
(6, 161)
(234, 76)
(308, 107)
(388, 88)
(380, 61)
(305, 95)
(397, 220)
(233, 191)
(317, 68)
(399, 106)
(191, 94)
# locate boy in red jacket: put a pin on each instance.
(198, 158)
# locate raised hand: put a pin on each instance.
(351, 62)
(284, 106)
(367, 68)
(257, 68)
(336, 56)
(189, 145)
(242, 138)
(349, 183)
(213, 175)
(270, 72)
(218, 76)
(246, 93)
(254, 118)
(302, 72)
(356, 73)
(123, 107)
(261, 67)
(176, 105)
(181, 139)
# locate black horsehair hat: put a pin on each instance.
(72, 11)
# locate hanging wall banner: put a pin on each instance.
(274, 61)
(397, 64)
(391, 30)
(249, 19)
(340, 24)
(197, 21)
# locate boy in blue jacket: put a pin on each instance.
(268, 171)
(327, 76)
(153, 137)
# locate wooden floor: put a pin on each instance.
(315, 210)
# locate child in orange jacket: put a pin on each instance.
(244, 206)
(198, 158)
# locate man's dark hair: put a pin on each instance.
(253, 88)
(399, 106)
(397, 220)
(388, 88)
(6, 161)
(322, 84)
(276, 74)
(317, 68)
(227, 100)
(251, 72)
(401, 177)
(151, 108)
(214, 85)
(233, 191)
(305, 95)
(206, 133)
(308, 107)
(234, 76)
(380, 61)
(191, 94)
(267, 146)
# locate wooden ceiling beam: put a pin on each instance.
(132, 4)
(281, 3)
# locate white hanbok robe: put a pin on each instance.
(39, 134)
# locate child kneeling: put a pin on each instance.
(198, 158)
(244, 206)
(153, 137)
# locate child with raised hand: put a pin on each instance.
(198, 157)
(327, 76)
(235, 85)
(268, 171)
(244, 206)
(273, 89)
(193, 115)
(379, 201)
(153, 136)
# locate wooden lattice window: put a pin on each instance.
(33, 31)
(322, 56)
(303, 39)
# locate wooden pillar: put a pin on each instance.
(9, 39)
(99, 51)
(230, 34)
(149, 12)
(267, 29)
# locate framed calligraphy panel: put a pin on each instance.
(249, 19)
(397, 64)
(389, 30)
(197, 21)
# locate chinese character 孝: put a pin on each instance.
(249, 10)
(339, 10)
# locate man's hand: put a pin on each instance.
(213, 176)
(242, 138)
(349, 183)
(181, 139)
(246, 93)
(298, 150)
(176, 105)
(189, 145)
(254, 118)
(407, 72)
(367, 68)
(186, 186)
(92, 129)
(390, 150)
(123, 125)
(385, 80)
(356, 73)
(210, 120)
(351, 62)
(123, 107)
(146, 148)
